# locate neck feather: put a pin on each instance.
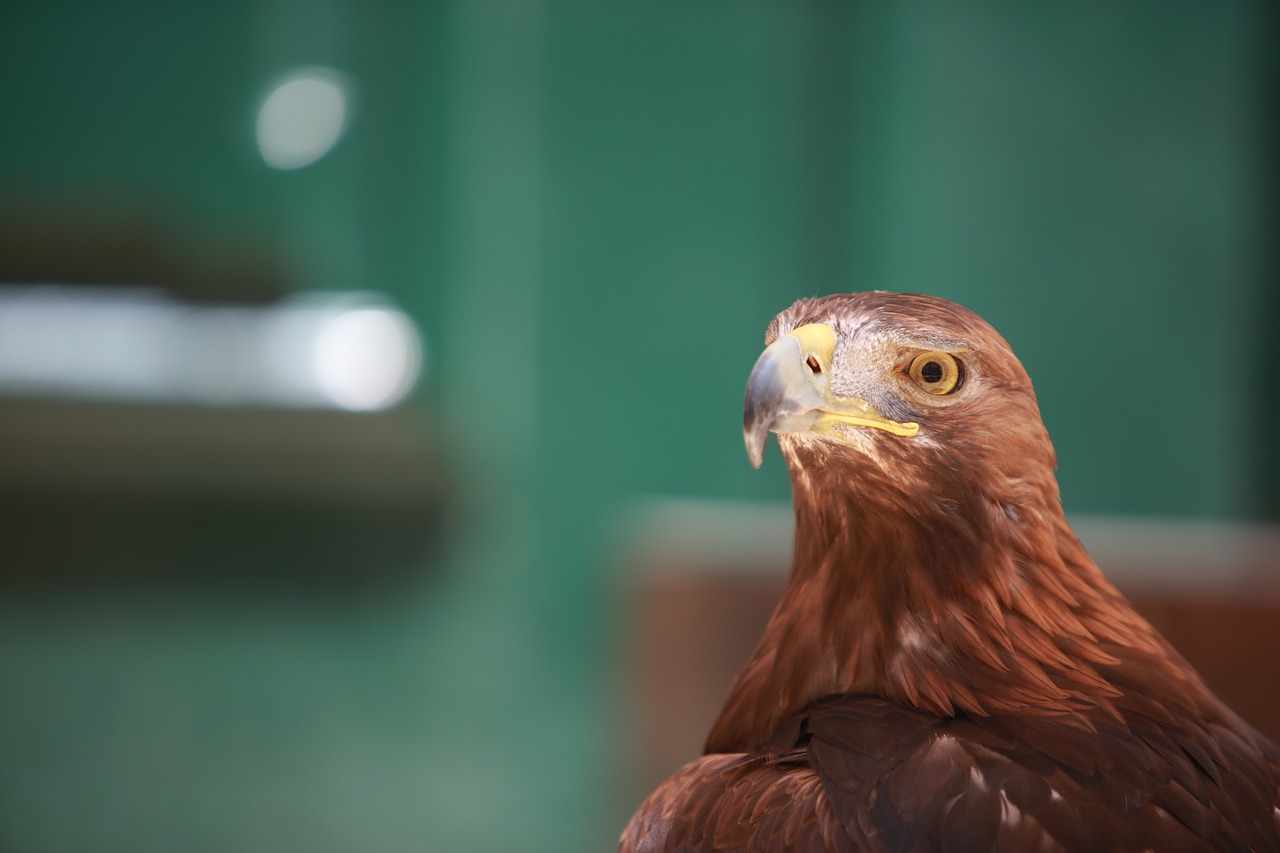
(949, 603)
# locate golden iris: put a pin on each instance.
(936, 372)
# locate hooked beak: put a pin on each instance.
(788, 392)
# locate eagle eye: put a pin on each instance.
(936, 372)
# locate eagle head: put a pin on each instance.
(908, 392)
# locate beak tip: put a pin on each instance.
(755, 446)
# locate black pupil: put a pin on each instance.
(931, 372)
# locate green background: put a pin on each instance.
(592, 210)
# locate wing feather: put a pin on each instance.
(739, 803)
(992, 783)
(865, 774)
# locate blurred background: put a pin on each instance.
(370, 374)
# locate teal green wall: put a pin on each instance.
(593, 210)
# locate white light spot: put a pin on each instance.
(303, 117)
(367, 359)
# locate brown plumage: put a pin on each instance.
(947, 669)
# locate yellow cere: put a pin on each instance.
(816, 339)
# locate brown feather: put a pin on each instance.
(948, 669)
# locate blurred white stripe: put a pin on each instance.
(346, 351)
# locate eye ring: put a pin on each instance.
(937, 372)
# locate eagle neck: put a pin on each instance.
(949, 603)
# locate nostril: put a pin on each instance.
(814, 364)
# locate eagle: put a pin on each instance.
(947, 669)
